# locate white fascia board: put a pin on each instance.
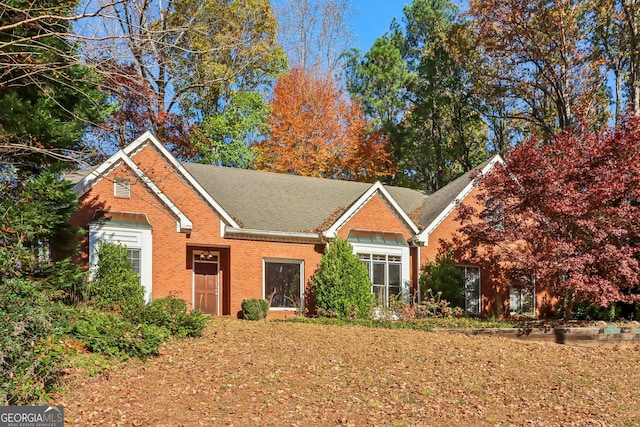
(375, 188)
(273, 236)
(98, 174)
(423, 237)
(149, 137)
(183, 225)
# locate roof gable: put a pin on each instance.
(441, 204)
(99, 173)
(379, 189)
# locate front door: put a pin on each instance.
(206, 287)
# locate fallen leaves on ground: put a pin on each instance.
(243, 373)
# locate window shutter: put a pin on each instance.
(122, 188)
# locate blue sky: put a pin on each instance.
(371, 19)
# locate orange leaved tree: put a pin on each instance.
(316, 131)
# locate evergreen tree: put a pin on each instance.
(47, 98)
(341, 285)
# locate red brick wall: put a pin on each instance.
(375, 215)
(495, 297)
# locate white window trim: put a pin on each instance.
(264, 280)
(401, 251)
(129, 238)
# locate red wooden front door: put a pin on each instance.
(206, 287)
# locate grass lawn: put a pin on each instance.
(269, 373)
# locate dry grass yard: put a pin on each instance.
(265, 373)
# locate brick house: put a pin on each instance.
(215, 235)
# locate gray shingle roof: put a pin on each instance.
(438, 201)
(78, 175)
(280, 202)
(290, 203)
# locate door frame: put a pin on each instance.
(215, 259)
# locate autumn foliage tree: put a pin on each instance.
(136, 110)
(538, 57)
(317, 131)
(564, 214)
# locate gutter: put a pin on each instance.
(272, 236)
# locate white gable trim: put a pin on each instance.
(423, 237)
(359, 204)
(183, 225)
(149, 137)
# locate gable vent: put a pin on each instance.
(122, 188)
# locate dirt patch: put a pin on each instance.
(245, 373)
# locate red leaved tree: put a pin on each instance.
(137, 111)
(316, 131)
(566, 214)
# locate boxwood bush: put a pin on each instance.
(255, 308)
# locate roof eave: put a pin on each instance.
(272, 236)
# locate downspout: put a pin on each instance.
(417, 276)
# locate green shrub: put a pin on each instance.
(115, 286)
(443, 280)
(30, 351)
(113, 335)
(171, 313)
(341, 285)
(254, 308)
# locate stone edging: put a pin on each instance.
(584, 336)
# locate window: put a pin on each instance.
(283, 283)
(494, 213)
(122, 188)
(385, 273)
(522, 301)
(133, 258)
(471, 289)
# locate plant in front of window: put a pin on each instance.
(341, 285)
(115, 286)
(443, 279)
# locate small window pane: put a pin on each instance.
(133, 258)
(282, 280)
(522, 301)
(364, 257)
(378, 273)
(378, 292)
